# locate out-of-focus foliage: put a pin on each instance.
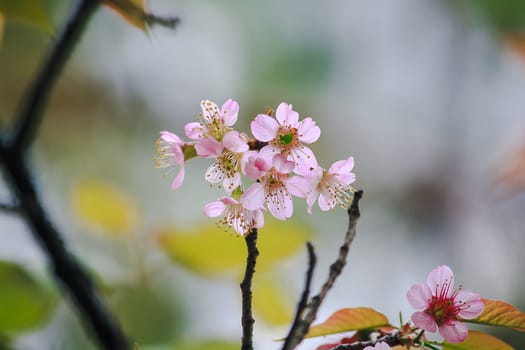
(500, 313)
(210, 251)
(105, 207)
(504, 15)
(351, 319)
(131, 10)
(148, 315)
(24, 302)
(478, 341)
(30, 11)
(207, 345)
(270, 301)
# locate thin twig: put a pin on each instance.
(9, 207)
(303, 302)
(390, 339)
(31, 108)
(246, 291)
(335, 270)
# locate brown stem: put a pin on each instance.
(246, 291)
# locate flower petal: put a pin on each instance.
(194, 131)
(304, 159)
(170, 137)
(324, 203)
(214, 173)
(282, 165)
(229, 112)
(280, 203)
(210, 111)
(285, 115)
(214, 209)
(177, 181)
(264, 128)
(310, 200)
(300, 186)
(234, 143)
(308, 131)
(419, 295)
(439, 278)
(470, 303)
(209, 148)
(230, 183)
(253, 198)
(453, 331)
(424, 321)
(342, 166)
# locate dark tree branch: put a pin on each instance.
(302, 326)
(246, 290)
(303, 302)
(390, 339)
(33, 104)
(13, 156)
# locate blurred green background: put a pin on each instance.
(428, 96)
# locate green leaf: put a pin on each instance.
(503, 15)
(105, 207)
(502, 314)
(147, 315)
(478, 341)
(30, 11)
(353, 319)
(210, 251)
(24, 302)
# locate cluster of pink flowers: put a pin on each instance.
(277, 163)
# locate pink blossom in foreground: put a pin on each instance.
(379, 346)
(279, 186)
(242, 215)
(442, 306)
(170, 153)
(287, 135)
(333, 186)
(227, 166)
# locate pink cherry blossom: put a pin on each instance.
(379, 346)
(242, 215)
(287, 135)
(333, 186)
(280, 185)
(227, 166)
(212, 121)
(442, 306)
(170, 154)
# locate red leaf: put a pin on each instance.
(478, 341)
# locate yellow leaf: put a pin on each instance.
(349, 320)
(131, 10)
(29, 11)
(270, 302)
(500, 313)
(478, 341)
(210, 251)
(105, 207)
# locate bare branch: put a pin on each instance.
(303, 302)
(9, 207)
(303, 325)
(246, 290)
(390, 339)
